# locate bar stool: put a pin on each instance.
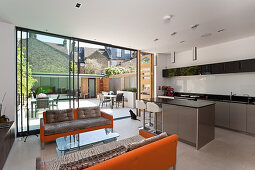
(154, 108)
(141, 106)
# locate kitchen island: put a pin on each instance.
(192, 121)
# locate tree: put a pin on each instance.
(113, 70)
(26, 74)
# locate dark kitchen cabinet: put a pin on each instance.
(233, 67)
(251, 119)
(165, 73)
(206, 69)
(248, 65)
(237, 116)
(217, 68)
(222, 114)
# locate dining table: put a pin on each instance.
(112, 97)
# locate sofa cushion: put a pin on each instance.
(88, 112)
(136, 145)
(68, 126)
(53, 116)
(94, 159)
(90, 122)
(58, 127)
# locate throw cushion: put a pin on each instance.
(136, 145)
(88, 112)
(54, 116)
(94, 159)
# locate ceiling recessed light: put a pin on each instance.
(174, 33)
(78, 5)
(168, 18)
(156, 39)
(182, 42)
(194, 26)
(221, 30)
(206, 35)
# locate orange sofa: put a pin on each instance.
(158, 155)
(51, 137)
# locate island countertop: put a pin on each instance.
(180, 102)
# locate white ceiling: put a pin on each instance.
(136, 23)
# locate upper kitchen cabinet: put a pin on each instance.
(248, 65)
(217, 68)
(232, 67)
(206, 69)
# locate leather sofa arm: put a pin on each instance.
(41, 122)
(146, 134)
(42, 130)
(107, 116)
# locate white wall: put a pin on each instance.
(240, 83)
(162, 61)
(8, 69)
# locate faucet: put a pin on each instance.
(248, 97)
(231, 95)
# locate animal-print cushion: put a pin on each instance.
(136, 145)
(88, 112)
(93, 160)
(54, 116)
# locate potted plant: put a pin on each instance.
(3, 119)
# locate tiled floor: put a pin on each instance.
(229, 151)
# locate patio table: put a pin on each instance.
(111, 96)
(33, 101)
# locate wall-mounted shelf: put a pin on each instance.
(216, 68)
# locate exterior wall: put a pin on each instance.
(8, 69)
(105, 84)
(84, 86)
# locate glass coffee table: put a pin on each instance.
(84, 140)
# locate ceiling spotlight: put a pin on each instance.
(182, 42)
(194, 26)
(206, 35)
(167, 18)
(221, 30)
(174, 33)
(156, 40)
(78, 5)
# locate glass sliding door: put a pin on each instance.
(23, 72)
(46, 77)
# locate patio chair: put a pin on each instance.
(41, 103)
(55, 103)
(119, 99)
(103, 100)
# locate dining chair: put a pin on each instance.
(119, 99)
(41, 103)
(55, 103)
(103, 100)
